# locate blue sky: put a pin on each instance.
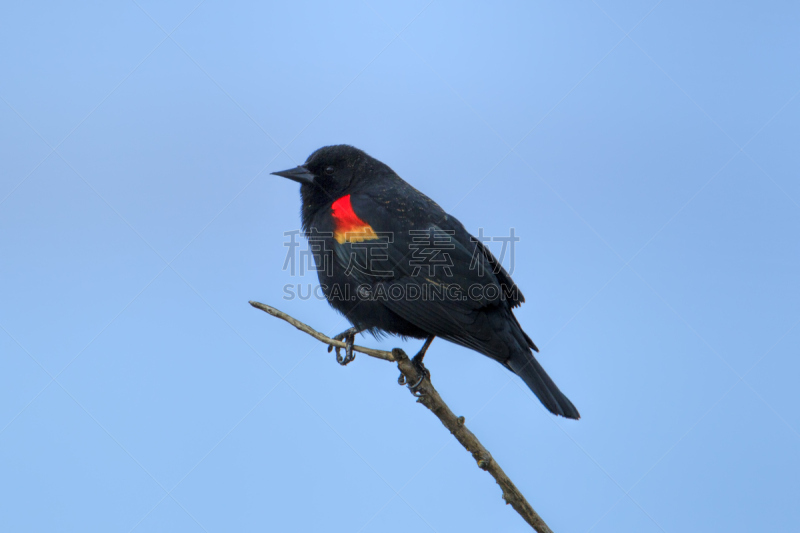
(644, 152)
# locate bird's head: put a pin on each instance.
(331, 172)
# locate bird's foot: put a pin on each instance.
(421, 370)
(349, 338)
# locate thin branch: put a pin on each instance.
(428, 396)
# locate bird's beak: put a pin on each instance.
(299, 174)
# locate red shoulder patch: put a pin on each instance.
(348, 227)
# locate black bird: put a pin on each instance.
(392, 261)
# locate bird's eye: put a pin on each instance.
(329, 171)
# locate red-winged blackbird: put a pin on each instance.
(392, 261)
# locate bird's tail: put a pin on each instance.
(525, 365)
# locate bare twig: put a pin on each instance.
(429, 397)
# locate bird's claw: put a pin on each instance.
(414, 388)
(420, 367)
(349, 337)
(421, 370)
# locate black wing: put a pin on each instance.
(431, 272)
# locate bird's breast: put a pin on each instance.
(347, 226)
